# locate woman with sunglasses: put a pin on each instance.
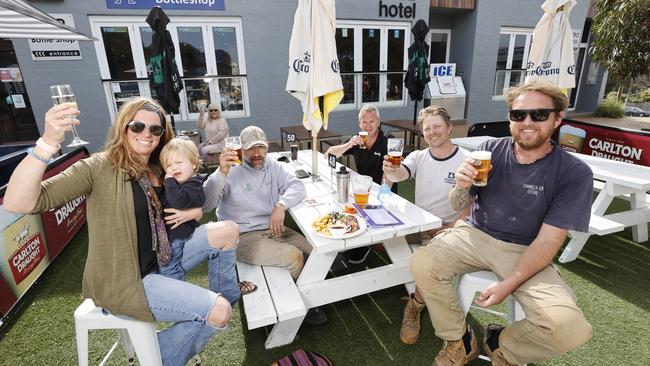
(215, 129)
(127, 238)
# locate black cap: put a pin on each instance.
(342, 170)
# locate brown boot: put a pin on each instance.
(496, 356)
(410, 331)
(453, 353)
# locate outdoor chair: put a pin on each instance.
(137, 337)
(494, 129)
(471, 283)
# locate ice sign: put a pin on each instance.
(438, 70)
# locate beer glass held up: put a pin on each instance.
(483, 164)
(234, 142)
(63, 94)
(395, 149)
(364, 138)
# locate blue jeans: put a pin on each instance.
(186, 305)
(187, 254)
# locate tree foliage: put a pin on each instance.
(622, 38)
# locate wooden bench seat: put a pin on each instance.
(276, 298)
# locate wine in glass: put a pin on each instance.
(63, 94)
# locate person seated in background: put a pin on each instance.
(127, 240)
(433, 169)
(368, 158)
(535, 193)
(190, 240)
(255, 193)
(215, 130)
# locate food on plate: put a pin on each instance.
(335, 217)
(349, 209)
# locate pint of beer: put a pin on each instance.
(482, 163)
(364, 137)
(395, 149)
(361, 185)
(294, 152)
(234, 142)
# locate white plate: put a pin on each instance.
(362, 228)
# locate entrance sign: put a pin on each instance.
(46, 49)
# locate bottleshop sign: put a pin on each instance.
(167, 4)
(45, 49)
(607, 143)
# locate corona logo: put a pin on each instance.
(335, 66)
(571, 69)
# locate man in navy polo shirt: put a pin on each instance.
(368, 159)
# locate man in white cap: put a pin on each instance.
(255, 193)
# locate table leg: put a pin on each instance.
(283, 332)
(574, 246)
(398, 250)
(639, 232)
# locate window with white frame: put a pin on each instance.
(373, 59)
(209, 56)
(512, 57)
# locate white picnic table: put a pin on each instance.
(312, 285)
(614, 179)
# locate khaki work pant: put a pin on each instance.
(553, 325)
(288, 250)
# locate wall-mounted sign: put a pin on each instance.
(45, 49)
(397, 10)
(167, 4)
(438, 70)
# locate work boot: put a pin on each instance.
(410, 331)
(491, 345)
(455, 353)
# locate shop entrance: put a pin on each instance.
(17, 122)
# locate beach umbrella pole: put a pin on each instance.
(314, 159)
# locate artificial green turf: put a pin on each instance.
(611, 279)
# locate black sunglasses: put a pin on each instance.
(537, 115)
(214, 110)
(137, 127)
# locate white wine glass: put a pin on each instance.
(63, 94)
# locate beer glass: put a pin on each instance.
(482, 163)
(294, 152)
(234, 142)
(361, 185)
(63, 94)
(395, 149)
(364, 137)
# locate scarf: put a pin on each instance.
(159, 241)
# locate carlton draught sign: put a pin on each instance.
(608, 143)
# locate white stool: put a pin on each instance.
(471, 283)
(136, 336)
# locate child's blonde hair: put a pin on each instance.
(183, 147)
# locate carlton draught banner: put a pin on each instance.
(605, 142)
(28, 243)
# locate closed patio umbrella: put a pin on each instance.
(314, 77)
(164, 78)
(417, 75)
(21, 20)
(551, 53)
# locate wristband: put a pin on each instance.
(32, 152)
(47, 147)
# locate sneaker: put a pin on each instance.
(491, 345)
(453, 353)
(357, 255)
(315, 316)
(410, 331)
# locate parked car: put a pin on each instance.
(635, 111)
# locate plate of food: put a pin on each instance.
(343, 225)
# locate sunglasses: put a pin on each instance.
(214, 110)
(537, 115)
(137, 127)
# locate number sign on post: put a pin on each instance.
(331, 161)
(291, 137)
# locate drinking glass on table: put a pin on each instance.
(63, 94)
(234, 142)
(395, 149)
(361, 185)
